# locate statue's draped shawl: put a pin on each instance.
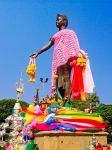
(66, 46)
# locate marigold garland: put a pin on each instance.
(81, 61)
(31, 70)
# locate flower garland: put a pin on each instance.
(81, 61)
(31, 70)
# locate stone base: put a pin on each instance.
(57, 140)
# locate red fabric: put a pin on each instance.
(98, 148)
(108, 148)
(77, 82)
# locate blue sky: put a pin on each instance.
(26, 25)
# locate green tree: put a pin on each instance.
(106, 112)
(92, 101)
(7, 105)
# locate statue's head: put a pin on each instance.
(61, 20)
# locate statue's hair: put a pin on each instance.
(64, 17)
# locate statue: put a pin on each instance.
(66, 50)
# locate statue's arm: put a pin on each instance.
(43, 49)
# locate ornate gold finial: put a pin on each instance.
(37, 89)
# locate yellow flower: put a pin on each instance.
(55, 76)
(59, 100)
(81, 61)
(32, 80)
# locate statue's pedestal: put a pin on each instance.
(57, 140)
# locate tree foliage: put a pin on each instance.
(7, 105)
(92, 101)
(106, 112)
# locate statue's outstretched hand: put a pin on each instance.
(34, 55)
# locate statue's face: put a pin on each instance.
(59, 22)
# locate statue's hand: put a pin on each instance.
(34, 55)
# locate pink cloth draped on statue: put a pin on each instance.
(66, 46)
